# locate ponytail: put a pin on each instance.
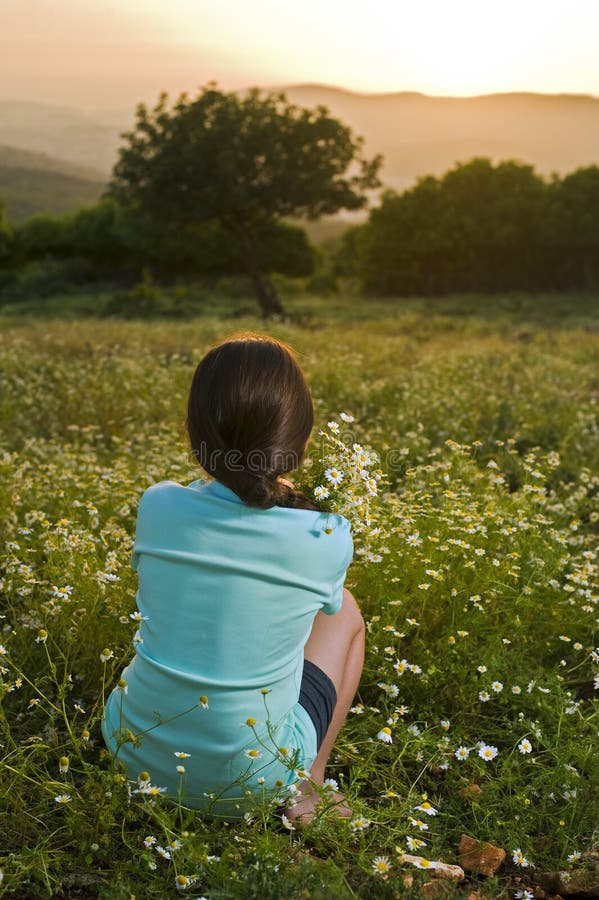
(264, 492)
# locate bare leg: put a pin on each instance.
(336, 645)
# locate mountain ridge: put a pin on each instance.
(391, 94)
(418, 134)
(18, 157)
(33, 183)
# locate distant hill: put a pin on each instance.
(61, 132)
(16, 157)
(416, 134)
(36, 183)
(421, 135)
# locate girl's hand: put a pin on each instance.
(287, 482)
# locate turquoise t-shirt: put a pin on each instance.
(227, 595)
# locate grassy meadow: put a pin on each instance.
(480, 598)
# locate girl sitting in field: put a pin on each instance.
(249, 649)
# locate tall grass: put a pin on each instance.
(482, 659)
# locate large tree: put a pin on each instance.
(245, 161)
(479, 227)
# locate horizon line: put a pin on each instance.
(278, 88)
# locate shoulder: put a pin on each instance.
(335, 526)
(337, 531)
(160, 490)
(162, 496)
(321, 534)
(328, 523)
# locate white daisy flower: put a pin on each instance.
(519, 858)
(487, 752)
(287, 823)
(427, 808)
(381, 865)
(334, 476)
(253, 754)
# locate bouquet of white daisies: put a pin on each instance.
(345, 478)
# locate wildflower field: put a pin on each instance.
(476, 572)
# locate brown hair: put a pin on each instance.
(249, 417)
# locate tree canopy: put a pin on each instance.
(243, 161)
(480, 227)
(119, 241)
(5, 231)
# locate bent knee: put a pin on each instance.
(352, 612)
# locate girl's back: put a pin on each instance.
(227, 595)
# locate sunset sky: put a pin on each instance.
(112, 53)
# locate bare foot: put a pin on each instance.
(309, 801)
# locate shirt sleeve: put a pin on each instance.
(343, 552)
(153, 503)
(139, 524)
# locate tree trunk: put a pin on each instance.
(269, 300)
(266, 295)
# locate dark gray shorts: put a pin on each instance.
(318, 697)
